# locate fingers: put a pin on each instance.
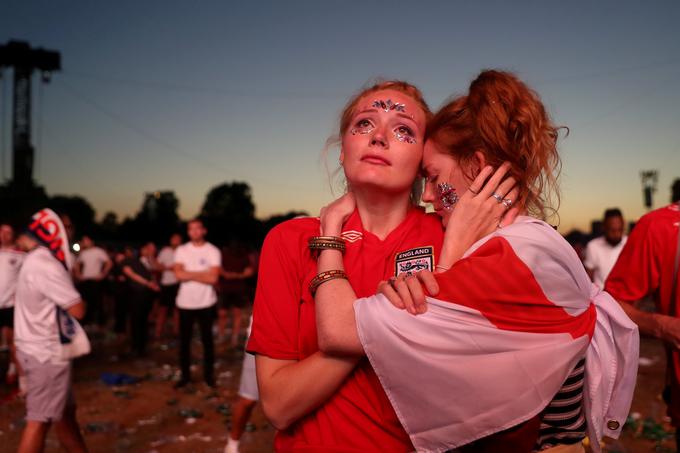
(494, 181)
(479, 181)
(386, 289)
(403, 290)
(430, 283)
(417, 294)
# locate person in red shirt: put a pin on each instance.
(336, 404)
(470, 368)
(648, 265)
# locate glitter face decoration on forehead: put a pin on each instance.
(389, 105)
(402, 133)
(447, 195)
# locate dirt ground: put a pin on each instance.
(151, 416)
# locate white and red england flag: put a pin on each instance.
(512, 319)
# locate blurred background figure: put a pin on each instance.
(92, 267)
(602, 252)
(169, 286)
(233, 289)
(648, 266)
(141, 289)
(10, 263)
(197, 267)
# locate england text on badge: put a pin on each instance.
(414, 260)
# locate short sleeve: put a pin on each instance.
(179, 255)
(637, 271)
(215, 258)
(589, 259)
(275, 311)
(57, 285)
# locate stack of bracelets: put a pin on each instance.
(318, 243)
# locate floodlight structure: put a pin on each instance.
(650, 179)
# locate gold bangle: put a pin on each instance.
(323, 277)
(438, 266)
(318, 243)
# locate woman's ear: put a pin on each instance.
(479, 161)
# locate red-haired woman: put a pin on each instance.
(504, 343)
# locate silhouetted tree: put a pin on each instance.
(79, 210)
(229, 213)
(108, 226)
(156, 220)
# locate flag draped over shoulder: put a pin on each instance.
(511, 320)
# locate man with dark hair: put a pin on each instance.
(197, 267)
(648, 265)
(602, 252)
(92, 267)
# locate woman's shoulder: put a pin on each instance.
(291, 229)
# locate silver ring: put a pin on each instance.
(507, 202)
(498, 198)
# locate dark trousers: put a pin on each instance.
(121, 308)
(91, 292)
(140, 306)
(205, 317)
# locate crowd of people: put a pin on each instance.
(488, 331)
(130, 292)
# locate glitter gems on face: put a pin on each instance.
(447, 195)
(389, 105)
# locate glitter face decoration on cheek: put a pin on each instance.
(362, 127)
(447, 195)
(405, 137)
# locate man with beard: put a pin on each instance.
(602, 252)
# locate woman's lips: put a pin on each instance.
(375, 159)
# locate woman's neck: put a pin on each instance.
(380, 213)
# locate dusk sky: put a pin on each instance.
(183, 96)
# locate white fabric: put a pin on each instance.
(166, 257)
(10, 263)
(601, 257)
(454, 377)
(44, 283)
(92, 262)
(193, 295)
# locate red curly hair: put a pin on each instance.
(505, 120)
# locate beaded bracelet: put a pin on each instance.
(323, 277)
(318, 243)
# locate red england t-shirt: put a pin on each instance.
(359, 416)
(646, 261)
(645, 267)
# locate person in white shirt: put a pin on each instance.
(92, 267)
(197, 267)
(10, 263)
(602, 252)
(169, 286)
(44, 286)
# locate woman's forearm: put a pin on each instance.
(335, 321)
(290, 389)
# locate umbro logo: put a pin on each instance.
(351, 235)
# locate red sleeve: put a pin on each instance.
(277, 298)
(636, 272)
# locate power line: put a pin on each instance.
(124, 122)
(206, 90)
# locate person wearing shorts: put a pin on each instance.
(248, 395)
(44, 286)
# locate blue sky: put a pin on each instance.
(186, 95)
